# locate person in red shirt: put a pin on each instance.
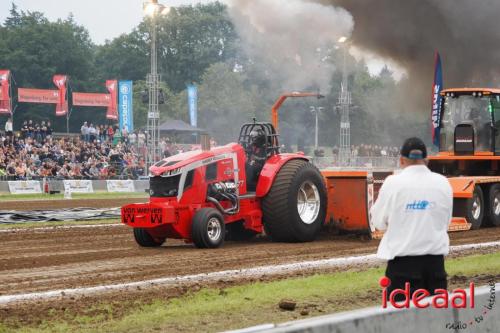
(111, 133)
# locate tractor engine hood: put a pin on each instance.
(173, 165)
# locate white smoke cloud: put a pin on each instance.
(291, 39)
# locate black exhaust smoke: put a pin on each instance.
(465, 32)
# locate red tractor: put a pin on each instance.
(232, 192)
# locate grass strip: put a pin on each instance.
(215, 309)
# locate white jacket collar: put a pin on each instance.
(415, 169)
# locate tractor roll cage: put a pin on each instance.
(271, 146)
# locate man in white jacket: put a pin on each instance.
(8, 128)
(414, 208)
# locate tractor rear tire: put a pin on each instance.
(144, 239)
(236, 231)
(494, 206)
(475, 208)
(295, 207)
(209, 229)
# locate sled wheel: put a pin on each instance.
(475, 208)
(494, 206)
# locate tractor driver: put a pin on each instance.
(256, 157)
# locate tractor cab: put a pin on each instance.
(270, 143)
(470, 122)
(469, 140)
(260, 142)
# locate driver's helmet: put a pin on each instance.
(257, 137)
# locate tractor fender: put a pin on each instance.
(270, 170)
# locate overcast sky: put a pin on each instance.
(104, 19)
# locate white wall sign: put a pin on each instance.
(120, 185)
(25, 187)
(78, 186)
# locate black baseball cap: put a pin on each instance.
(414, 149)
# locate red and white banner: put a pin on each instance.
(48, 96)
(112, 86)
(91, 99)
(62, 105)
(26, 95)
(59, 97)
(5, 104)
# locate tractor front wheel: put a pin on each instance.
(144, 239)
(295, 207)
(209, 228)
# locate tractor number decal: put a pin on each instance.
(156, 216)
(129, 218)
(128, 215)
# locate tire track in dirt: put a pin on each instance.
(234, 275)
(44, 260)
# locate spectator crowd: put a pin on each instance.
(368, 150)
(107, 152)
(110, 133)
(101, 152)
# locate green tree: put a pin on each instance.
(225, 102)
(141, 107)
(125, 57)
(35, 49)
(190, 39)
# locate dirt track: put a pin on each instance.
(73, 203)
(67, 258)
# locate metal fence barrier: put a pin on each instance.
(368, 162)
(13, 178)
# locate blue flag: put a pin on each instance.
(437, 99)
(125, 106)
(192, 92)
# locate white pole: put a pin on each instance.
(316, 138)
(318, 111)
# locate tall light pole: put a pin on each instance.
(153, 9)
(344, 103)
(316, 111)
